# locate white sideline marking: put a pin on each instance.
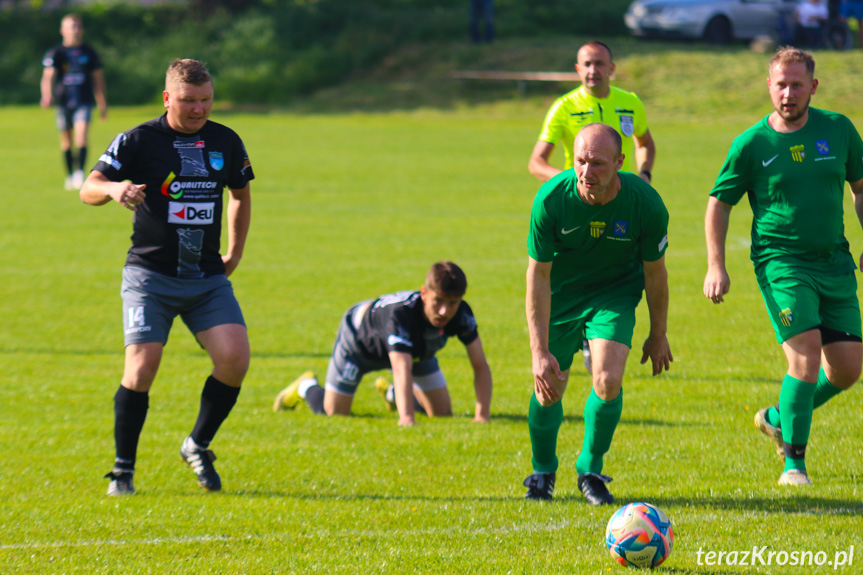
(531, 528)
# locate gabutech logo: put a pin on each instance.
(166, 185)
(174, 190)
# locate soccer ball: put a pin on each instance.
(639, 535)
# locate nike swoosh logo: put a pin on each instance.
(770, 161)
(565, 231)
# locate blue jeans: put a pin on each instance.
(482, 9)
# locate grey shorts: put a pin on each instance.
(348, 364)
(152, 300)
(68, 117)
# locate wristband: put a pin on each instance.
(647, 173)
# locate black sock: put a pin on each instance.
(130, 412)
(82, 157)
(217, 400)
(315, 399)
(67, 157)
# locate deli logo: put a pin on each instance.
(201, 213)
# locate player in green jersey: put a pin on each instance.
(793, 166)
(597, 241)
(595, 101)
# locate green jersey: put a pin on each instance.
(795, 183)
(596, 249)
(621, 110)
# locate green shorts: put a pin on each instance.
(611, 318)
(807, 301)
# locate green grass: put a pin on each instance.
(349, 206)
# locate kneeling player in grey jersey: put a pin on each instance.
(403, 332)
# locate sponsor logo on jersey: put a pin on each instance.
(627, 126)
(822, 147)
(620, 228)
(797, 153)
(189, 143)
(217, 160)
(166, 187)
(201, 213)
(663, 242)
(597, 229)
(175, 190)
(786, 317)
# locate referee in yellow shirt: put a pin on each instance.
(595, 101)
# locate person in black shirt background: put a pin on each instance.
(72, 80)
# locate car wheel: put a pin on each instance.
(718, 30)
(837, 36)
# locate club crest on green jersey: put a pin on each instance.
(597, 229)
(797, 153)
(786, 317)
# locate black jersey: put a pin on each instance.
(396, 322)
(73, 80)
(177, 230)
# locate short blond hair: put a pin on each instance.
(790, 55)
(187, 71)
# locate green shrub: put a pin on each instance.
(271, 50)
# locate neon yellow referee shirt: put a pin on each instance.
(621, 110)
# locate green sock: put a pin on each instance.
(773, 418)
(795, 412)
(824, 392)
(600, 421)
(544, 423)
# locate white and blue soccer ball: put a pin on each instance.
(639, 535)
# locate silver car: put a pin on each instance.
(716, 21)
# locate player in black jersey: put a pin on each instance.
(402, 332)
(72, 79)
(171, 173)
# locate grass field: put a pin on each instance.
(347, 207)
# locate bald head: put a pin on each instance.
(600, 136)
(595, 45)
